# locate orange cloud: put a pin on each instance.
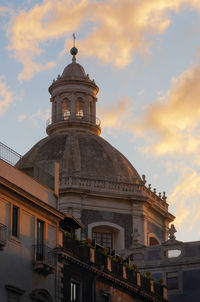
(116, 116)
(186, 200)
(6, 96)
(175, 119)
(118, 29)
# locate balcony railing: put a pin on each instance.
(2, 235)
(112, 264)
(44, 259)
(9, 155)
(93, 120)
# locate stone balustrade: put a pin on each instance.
(138, 189)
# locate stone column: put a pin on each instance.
(73, 105)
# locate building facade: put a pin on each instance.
(79, 173)
(98, 185)
(40, 264)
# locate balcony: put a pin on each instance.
(3, 229)
(44, 260)
(71, 120)
(8, 155)
(73, 117)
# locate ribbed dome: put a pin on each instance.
(74, 70)
(81, 154)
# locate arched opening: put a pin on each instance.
(90, 110)
(55, 112)
(79, 108)
(66, 109)
(40, 295)
(103, 236)
(107, 234)
(153, 241)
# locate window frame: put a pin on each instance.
(101, 236)
(13, 235)
(78, 291)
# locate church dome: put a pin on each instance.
(74, 70)
(80, 154)
(73, 134)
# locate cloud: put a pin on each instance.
(116, 116)
(6, 10)
(174, 119)
(39, 117)
(111, 37)
(185, 200)
(141, 92)
(6, 96)
(21, 117)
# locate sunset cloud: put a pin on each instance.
(6, 96)
(109, 38)
(175, 118)
(185, 199)
(39, 117)
(116, 116)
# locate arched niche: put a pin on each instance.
(153, 239)
(66, 109)
(80, 110)
(97, 230)
(40, 295)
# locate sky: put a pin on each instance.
(145, 57)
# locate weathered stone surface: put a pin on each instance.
(81, 154)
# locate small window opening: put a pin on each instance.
(15, 221)
(103, 238)
(153, 241)
(79, 108)
(66, 109)
(74, 292)
(172, 253)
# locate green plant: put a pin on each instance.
(134, 267)
(148, 274)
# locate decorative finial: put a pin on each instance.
(144, 179)
(74, 50)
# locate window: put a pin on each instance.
(14, 293)
(74, 292)
(172, 281)
(90, 110)
(66, 109)
(153, 241)
(15, 222)
(79, 108)
(40, 240)
(103, 238)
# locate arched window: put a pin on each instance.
(103, 236)
(79, 108)
(107, 234)
(153, 241)
(66, 109)
(40, 295)
(90, 110)
(55, 112)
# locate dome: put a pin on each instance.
(74, 70)
(80, 154)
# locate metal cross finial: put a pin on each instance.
(74, 38)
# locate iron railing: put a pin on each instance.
(9, 155)
(3, 229)
(73, 117)
(44, 254)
